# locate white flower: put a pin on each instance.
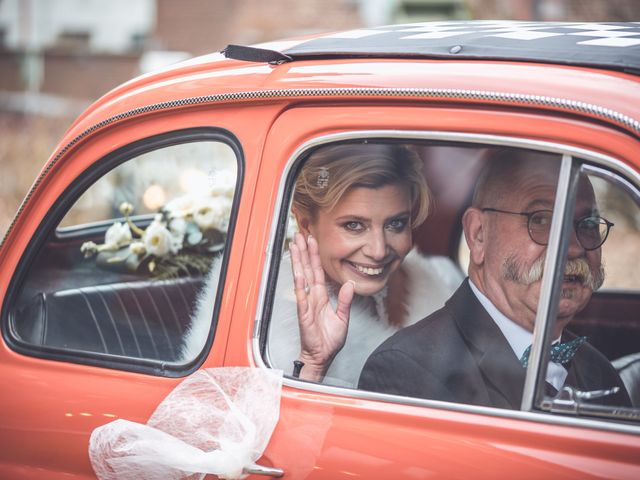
(178, 226)
(126, 208)
(89, 249)
(158, 240)
(213, 213)
(117, 235)
(177, 240)
(222, 183)
(181, 207)
(138, 248)
(206, 213)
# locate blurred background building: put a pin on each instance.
(56, 56)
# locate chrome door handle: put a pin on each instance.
(256, 469)
(596, 393)
(569, 401)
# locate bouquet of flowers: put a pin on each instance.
(180, 240)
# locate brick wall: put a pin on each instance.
(204, 26)
(556, 10)
(86, 76)
(77, 75)
(10, 79)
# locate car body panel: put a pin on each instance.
(492, 442)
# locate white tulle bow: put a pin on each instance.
(216, 421)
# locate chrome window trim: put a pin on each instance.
(551, 147)
(555, 258)
(613, 178)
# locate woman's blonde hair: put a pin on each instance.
(332, 171)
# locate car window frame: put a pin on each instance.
(57, 211)
(561, 230)
(277, 234)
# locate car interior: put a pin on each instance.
(97, 287)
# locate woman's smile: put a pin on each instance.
(368, 271)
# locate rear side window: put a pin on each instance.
(119, 278)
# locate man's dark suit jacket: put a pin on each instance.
(458, 354)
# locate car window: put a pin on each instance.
(348, 197)
(187, 170)
(607, 328)
(120, 277)
(475, 350)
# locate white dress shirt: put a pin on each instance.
(519, 338)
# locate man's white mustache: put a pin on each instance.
(577, 267)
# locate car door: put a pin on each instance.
(329, 431)
(96, 301)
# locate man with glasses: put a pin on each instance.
(475, 349)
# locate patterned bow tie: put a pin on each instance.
(560, 352)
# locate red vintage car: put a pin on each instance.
(107, 267)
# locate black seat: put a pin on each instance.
(144, 319)
(628, 368)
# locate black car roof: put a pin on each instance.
(611, 45)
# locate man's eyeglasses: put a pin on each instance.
(591, 231)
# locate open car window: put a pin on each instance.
(420, 327)
(423, 275)
(120, 278)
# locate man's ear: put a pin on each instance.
(474, 234)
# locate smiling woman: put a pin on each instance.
(345, 286)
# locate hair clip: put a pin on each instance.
(323, 178)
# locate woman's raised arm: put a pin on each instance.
(323, 330)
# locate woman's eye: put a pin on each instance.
(353, 226)
(397, 225)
